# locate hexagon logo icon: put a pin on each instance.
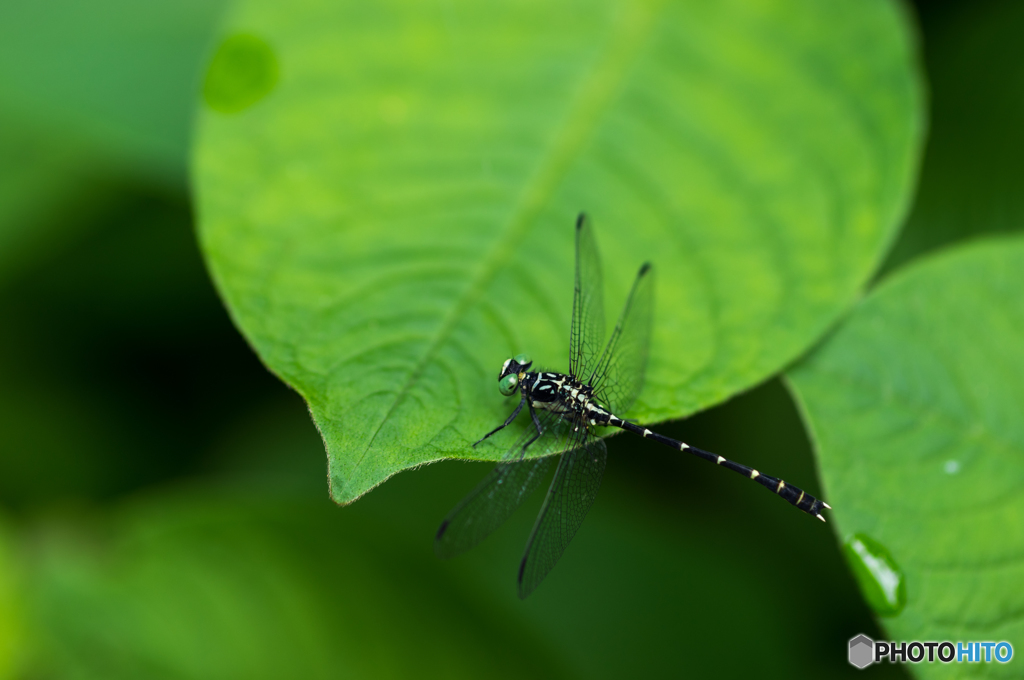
(862, 651)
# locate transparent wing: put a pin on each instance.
(570, 496)
(586, 336)
(619, 375)
(501, 491)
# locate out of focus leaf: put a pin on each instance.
(12, 634)
(50, 188)
(118, 74)
(970, 178)
(119, 364)
(200, 587)
(915, 409)
(394, 219)
(90, 92)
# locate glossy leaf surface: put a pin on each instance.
(394, 219)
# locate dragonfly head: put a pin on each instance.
(512, 372)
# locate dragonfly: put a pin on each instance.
(566, 411)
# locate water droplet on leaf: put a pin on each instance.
(880, 578)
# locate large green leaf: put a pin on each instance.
(394, 218)
(207, 586)
(915, 408)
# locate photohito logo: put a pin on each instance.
(864, 651)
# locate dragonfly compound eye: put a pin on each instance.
(522, 359)
(508, 384)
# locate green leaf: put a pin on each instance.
(12, 635)
(50, 188)
(119, 74)
(969, 184)
(915, 408)
(394, 219)
(193, 585)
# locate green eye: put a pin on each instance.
(507, 385)
(522, 359)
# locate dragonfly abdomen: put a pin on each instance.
(794, 495)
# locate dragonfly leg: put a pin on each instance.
(536, 422)
(508, 421)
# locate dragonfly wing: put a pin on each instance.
(570, 496)
(587, 333)
(619, 375)
(501, 491)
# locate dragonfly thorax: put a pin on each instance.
(564, 395)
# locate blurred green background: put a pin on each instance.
(163, 501)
